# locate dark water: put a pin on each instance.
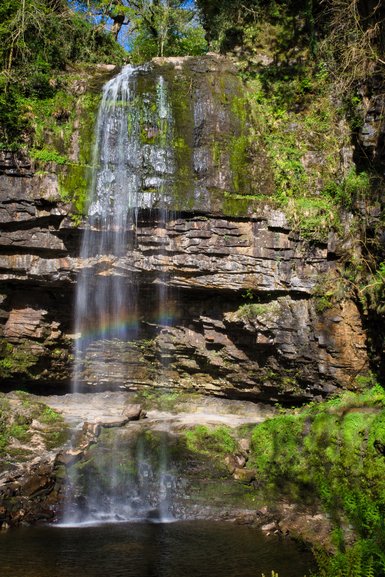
(183, 549)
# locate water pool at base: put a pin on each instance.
(180, 549)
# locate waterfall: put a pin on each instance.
(119, 485)
(105, 302)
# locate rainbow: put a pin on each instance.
(121, 324)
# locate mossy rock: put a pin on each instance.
(23, 418)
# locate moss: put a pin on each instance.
(19, 432)
(234, 205)
(216, 153)
(239, 146)
(239, 107)
(74, 178)
(165, 400)
(18, 412)
(239, 163)
(19, 455)
(87, 114)
(181, 104)
(73, 187)
(211, 441)
(332, 453)
(183, 184)
(16, 360)
(58, 438)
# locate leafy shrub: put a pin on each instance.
(48, 156)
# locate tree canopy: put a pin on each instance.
(40, 39)
(152, 27)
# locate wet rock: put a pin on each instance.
(33, 485)
(234, 462)
(133, 412)
(15, 163)
(311, 527)
(30, 496)
(91, 430)
(270, 528)
(244, 475)
(70, 456)
(244, 445)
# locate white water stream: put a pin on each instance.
(106, 310)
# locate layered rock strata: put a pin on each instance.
(243, 318)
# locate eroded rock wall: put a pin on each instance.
(243, 318)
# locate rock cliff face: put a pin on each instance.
(243, 318)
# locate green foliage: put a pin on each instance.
(48, 156)
(329, 290)
(353, 40)
(153, 28)
(179, 34)
(249, 311)
(39, 39)
(354, 187)
(333, 452)
(372, 293)
(299, 136)
(74, 180)
(313, 217)
(211, 441)
(230, 24)
(19, 432)
(297, 117)
(349, 35)
(49, 416)
(13, 122)
(15, 360)
(359, 560)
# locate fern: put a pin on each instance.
(369, 570)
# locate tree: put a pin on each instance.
(155, 27)
(164, 22)
(38, 40)
(101, 11)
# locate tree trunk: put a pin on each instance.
(117, 17)
(117, 25)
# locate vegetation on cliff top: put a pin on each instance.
(305, 101)
(43, 43)
(39, 41)
(149, 27)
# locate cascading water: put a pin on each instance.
(119, 483)
(105, 302)
(164, 312)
